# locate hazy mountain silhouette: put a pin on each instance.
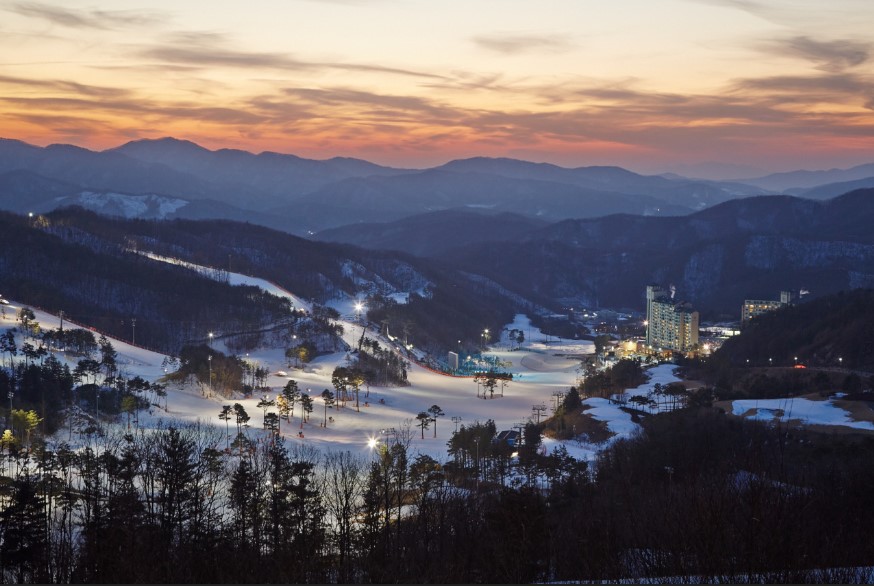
(434, 233)
(277, 177)
(830, 190)
(809, 179)
(303, 196)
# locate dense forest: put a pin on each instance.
(697, 494)
(435, 318)
(832, 331)
(832, 337)
(124, 294)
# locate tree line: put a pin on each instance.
(698, 494)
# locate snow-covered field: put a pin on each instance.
(381, 408)
(800, 409)
(539, 371)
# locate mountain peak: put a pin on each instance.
(166, 142)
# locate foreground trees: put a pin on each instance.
(698, 494)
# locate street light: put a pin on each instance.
(359, 307)
(455, 420)
(476, 441)
(210, 335)
(209, 361)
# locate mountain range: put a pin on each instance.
(301, 196)
(742, 249)
(172, 178)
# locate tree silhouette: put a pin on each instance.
(435, 412)
(424, 418)
(225, 415)
(264, 404)
(328, 399)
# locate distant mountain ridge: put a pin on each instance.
(803, 179)
(302, 196)
(435, 233)
(749, 248)
(279, 177)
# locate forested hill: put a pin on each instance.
(742, 249)
(446, 305)
(833, 331)
(105, 287)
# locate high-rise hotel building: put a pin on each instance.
(671, 325)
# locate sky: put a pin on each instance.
(719, 87)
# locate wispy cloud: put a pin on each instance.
(384, 103)
(831, 56)
(211, 50)
(139, 107)
(64, 86)
(512, 44)
(836, 88)
(86, 19)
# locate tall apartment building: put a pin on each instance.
(756, 307)
(671, 325)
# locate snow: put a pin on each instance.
(618, 421)
(537, 375)
(128, 206)
(797, 408)
(350, 429)
(235, 279)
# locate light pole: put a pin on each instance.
(476, 441)
(484, 337)
(359, 307)
(455, 420)
(210, 335)
(209, 361)
(840, 362)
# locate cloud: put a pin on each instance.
(64, 86)
(514, 44)
(138, 107)
(831, 88)
(851, 17)
(208, 50)
(385, 103)
(91, 19)
(831, 56)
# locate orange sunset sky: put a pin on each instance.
(652, 86)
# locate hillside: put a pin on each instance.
(100, 284)
(441, 300)
(434, 233)
(833, 331)
(741, 249)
